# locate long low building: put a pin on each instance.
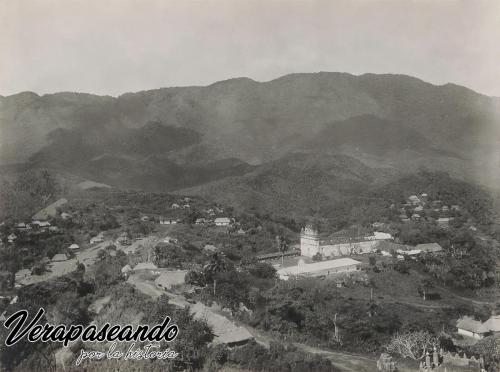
(322, 268)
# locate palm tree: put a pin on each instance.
(216, 265)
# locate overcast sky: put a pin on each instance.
(117, 46)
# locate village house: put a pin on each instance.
(22, 274)
(222, 221)
(165, 221)
(200, 221)
(97, 239)
(419, 209)
(74, 247)
(65, 216)
(210, 248)
(60, 257)
(443, 221)
(468, 326)
(145, 266)
(429, 248)
(322, 268)
(126, 270)
(415, 217)
(21, 226)
(169, 239)
(40, 224)
(11, 238)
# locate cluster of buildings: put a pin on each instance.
(469, 327)
(417, 208)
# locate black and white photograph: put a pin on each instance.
(250, 185)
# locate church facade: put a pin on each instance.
(311, 244)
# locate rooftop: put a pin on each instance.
(318, 266)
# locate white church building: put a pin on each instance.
(311, 244)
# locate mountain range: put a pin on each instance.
(294, 142)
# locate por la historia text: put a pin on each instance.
(149, 351)
(20, 327)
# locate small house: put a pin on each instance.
(443, 221)
(60, 257)
(97, 239)
(415, 217)
(419, 209)
(429, 248)
(126, 269)
(222, 221)
(200, 221)
(74, 247)
(145, 266)
(169, 239)
(468, 326)
(11, 238)
(175, 206)
(22, 274)
(65, 216)
(210, 248)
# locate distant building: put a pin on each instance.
(169, 239)
(210, 248)
(22, 274)
(65, 216)
(164, 221)
(60, 257)
(415, 217)
(11, 238)
(222, 221)
(200, 221)
(444, 221)
(144, 218)
(126, 269)
(410, 253)
(467, 326)
(175, 206)
(40, 224)
(74, 247)
(145, 266)
(311, 244)
(97, 239)
(419, 209)
(322, 268)
(429, 247)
